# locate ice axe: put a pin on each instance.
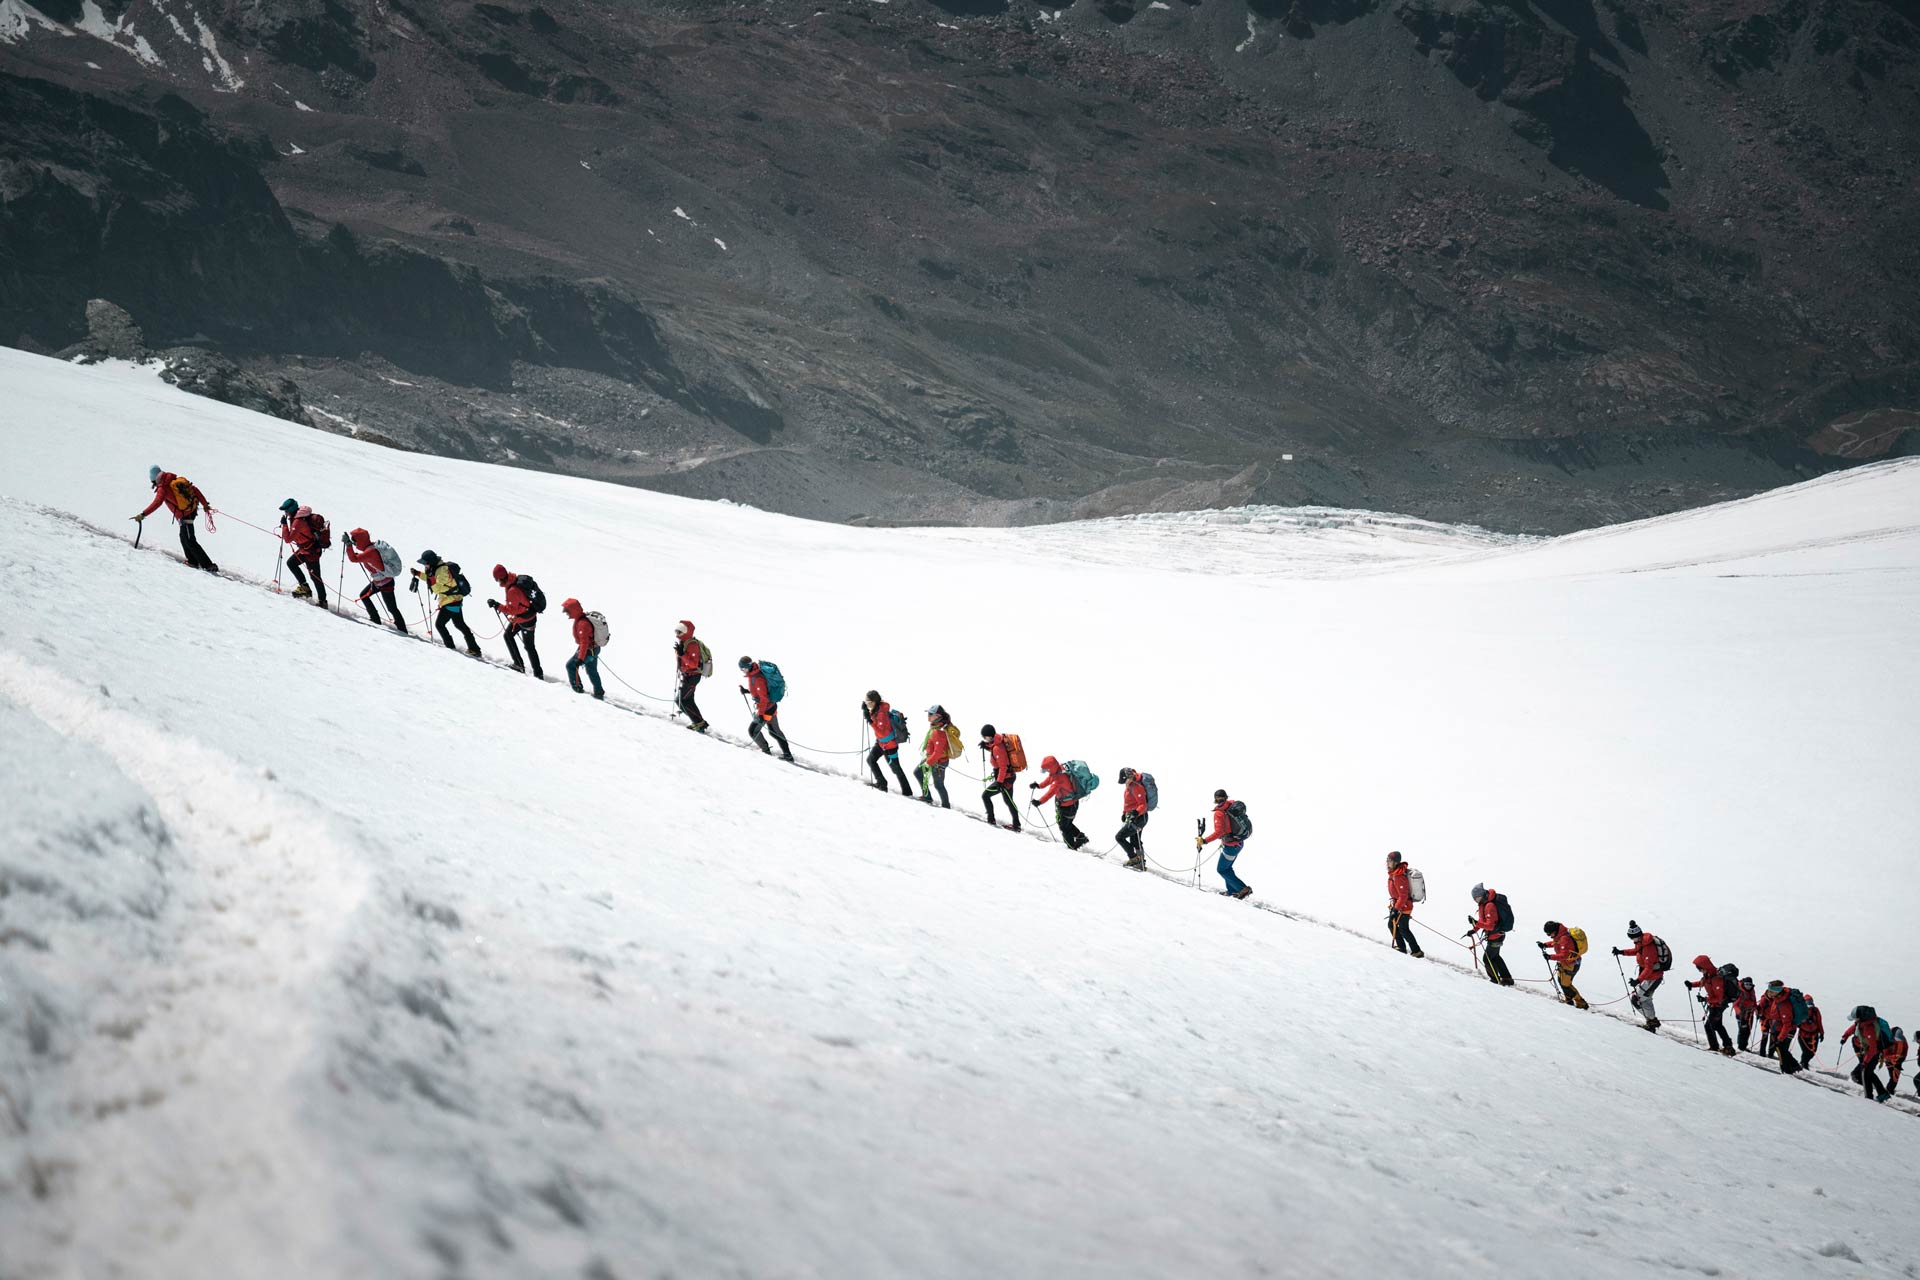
(139, 527)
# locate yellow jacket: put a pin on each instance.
(440, 581)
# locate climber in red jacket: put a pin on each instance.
(766, 712)
(1134, 811)
(690, 663)
(520, 614)
(1001, 774)
(1646, 951)
(304, 531)
(1715, 993)
(1065, 794)
(183, 501)
(888, 737)
(586, 649)
(1400, 907)
(1564, 951)
(373, 557)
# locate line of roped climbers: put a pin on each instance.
(1786, 1017)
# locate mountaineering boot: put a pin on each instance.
(473, 650)
(302, 592)
(599, 696)
(520, 667)
(787, 756)
(699, 728)
(1245, 891)
(1136, 863)
(1421, 955)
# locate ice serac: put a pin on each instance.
(513, 983)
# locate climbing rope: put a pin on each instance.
(616, 675)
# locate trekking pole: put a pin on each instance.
(139, 528)
(1694, 1020)
(1199, 848)
(339, 583)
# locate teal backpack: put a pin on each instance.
(1084, 779)
(776, 683)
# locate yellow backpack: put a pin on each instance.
(183, 494)
(1579, 937)
(956, 748)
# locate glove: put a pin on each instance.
(1033, 786)
(413, 584)
(140, 519)
(743, 688)
(1541, 945)
(1617, 951)
(493, 604)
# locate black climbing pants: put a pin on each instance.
(683, 698)
(1129, 836)
(1717, 1037)
(523, 631)
(1401, 927)
(300, 560)
(769, 724)
(937, 775)
(892, 755)
(383, 589)
(449, 616)
(1005, 792)
(1866, 1075)
(1064, 812)
(190, 548)
(1490, 960)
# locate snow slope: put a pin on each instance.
(334, 953)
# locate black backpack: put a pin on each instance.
(535, 596)
(322, 531)
(1504, 919)
(1239, 825)
(1663, 954)
(1731, 972)
(460, 583)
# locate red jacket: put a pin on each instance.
(1134, 800)
(1712, 986)
(1002, 760)
(518, 606)
(1647, 952)
(880, 720)
(1895, 1055)
(299, 531)
(757, 689)
(1744, 1002)
(163, 492)
(1399, 892)
(1489, 919)
(369, 558)
(1222, 825)
(1772, 1005)
(1563, 949)
(939, 745)
(583, 637)
(1058, 786)
(1865, 1035)
(1814, 1029)
(687, 651)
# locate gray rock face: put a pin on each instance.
(112, 334)
(218, 378)
(1535, 265)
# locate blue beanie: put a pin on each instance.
(153, 475)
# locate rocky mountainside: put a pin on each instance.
(1531, 263)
